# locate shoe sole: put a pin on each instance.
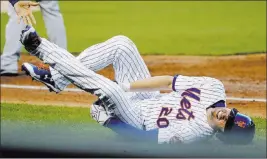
(26, 69)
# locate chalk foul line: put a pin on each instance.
(79, 90)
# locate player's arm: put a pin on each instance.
(172, 83)
(149, 84)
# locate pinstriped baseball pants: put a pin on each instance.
(121, 53)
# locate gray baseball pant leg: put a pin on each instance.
(54, 23)
(11, 52)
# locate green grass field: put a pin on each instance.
(191, 28)
(20, 116)
(71, 115)
(72, 129)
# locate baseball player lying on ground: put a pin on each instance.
(194, 110)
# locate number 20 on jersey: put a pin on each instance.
(184, 111)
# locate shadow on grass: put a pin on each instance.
(87, 140)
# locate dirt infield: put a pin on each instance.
(243, 76)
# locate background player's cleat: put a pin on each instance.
(98, 113)
(40, 73)
(8, 74)
(30, 39)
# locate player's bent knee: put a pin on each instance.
(126, 45)
(122, 37)
(124, 40)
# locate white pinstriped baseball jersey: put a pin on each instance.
(180, 114)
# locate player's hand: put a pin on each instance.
(23, 10)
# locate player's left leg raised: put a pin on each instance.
(71, 68)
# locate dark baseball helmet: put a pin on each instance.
(239, 129)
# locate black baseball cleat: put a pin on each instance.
(30, 39)
(41, 74)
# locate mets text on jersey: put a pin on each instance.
(185, 104)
